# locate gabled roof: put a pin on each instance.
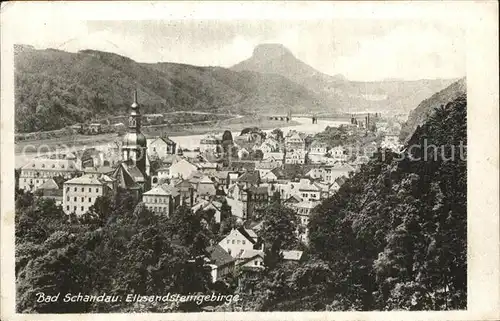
(205, 180)
(291, 255)
(251, 177)
(128, 176)
(65, 165)
(219, 256)
(49, 184)
(340, 180)
(258, 190)
(85, 180)
(246, 165)
(248, 234)
(249, 254)
(293, 199)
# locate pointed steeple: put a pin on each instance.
(135, 104)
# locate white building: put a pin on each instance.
(162, 200)
(318, 148)
(238, 240)
(160, 147)
(80, 193)
(182, 169)
(211, 144)
(295, 157)
(39, 170)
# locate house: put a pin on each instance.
(266, 166)
(277, 157)
(248, 179)
(309, 190)
(295, 141)
(335, 186)
(160, 147)
(318, 147)
(338, 153)
(163, 172)
(80, 193)
(89, 157)
(304, 210)
(238, 208)
(211, 144)
(295, 157)
(292, 255)
(95, 128)
(265, 147)
(39, 170)
(186, 192)
(206, 205)
(206, 187)
(162, 199)
(182, 169)
(238, 240)
(329, 173)
(241, 166)
(51, 190)
(243, 153)
(221, 263)
(251, 259)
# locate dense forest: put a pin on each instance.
(54, 88)
(394, 237)
(422, 112)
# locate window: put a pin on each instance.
(233, 241)
(67, 198)
(75, 189)
(90, 190)
(37, 181)
(82, 208)
(243, 242)
(90, 199)
(83, 189)
(83, 199)
(238, 242)
(97, 190)
(74, 199)
(74, 208)
(67, 207)
(43, 165)
(228, 241)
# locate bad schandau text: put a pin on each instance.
(169, 297)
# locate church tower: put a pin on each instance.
(134, 142)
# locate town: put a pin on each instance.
(244, 173)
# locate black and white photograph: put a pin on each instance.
(194, 164)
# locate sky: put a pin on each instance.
(370, 47)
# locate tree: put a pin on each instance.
(278, 133)
(279, 227)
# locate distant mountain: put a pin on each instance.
(55, 88)
(427, 107)
(394, 96)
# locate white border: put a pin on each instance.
(481, 21)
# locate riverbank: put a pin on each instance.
(25, 150)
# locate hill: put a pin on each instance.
(426, 108)
(393, 237)
(394, 96)
(54, 88)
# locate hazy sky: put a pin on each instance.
(360, 49)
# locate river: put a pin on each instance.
(192, 141)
